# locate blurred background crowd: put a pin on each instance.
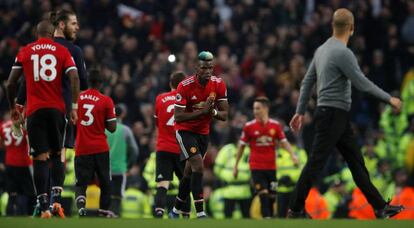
(261, 47)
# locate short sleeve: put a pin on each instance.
(69, 63)
(180, 97)
(18, 61)
(156, 108)
(244, 138)
(110, 110)
(222, 91)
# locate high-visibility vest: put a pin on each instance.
(359, 208)
(332, 199)
(216, 203)
(394, 127)
(407, 92)
(4, 199)
(223, 168)
(287, 169)
(316, 205)
(70, 178)
(405, 197)
(409, 157)
(135, 204)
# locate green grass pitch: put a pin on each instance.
(193, 223)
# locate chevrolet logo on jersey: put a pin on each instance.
(264, 141)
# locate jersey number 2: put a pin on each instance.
(88, 114)
(47, 69)
(170, 122)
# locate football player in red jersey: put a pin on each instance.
(262, 135)
(66, 28)
(199, 99)
(96, 113)
(19, 181)
(168, 152)
(44, 63)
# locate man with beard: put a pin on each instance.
(66, 28)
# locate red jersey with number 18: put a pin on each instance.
(17, 149)
(94, 110)
(164, 115)
(44, 62)
(262, 137)
(192, 96)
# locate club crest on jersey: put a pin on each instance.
(272, 132)
(212, 95)
(193, 150)
(178, 97)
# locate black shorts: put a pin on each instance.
(86, 166)
(45, 128)
(20, 181)
(167, 164)
(191, 144)
(264, 179)
(118, 183)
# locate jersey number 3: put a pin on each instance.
(88, 114)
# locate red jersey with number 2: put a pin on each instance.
(94, 111)
(262, 139)
(17, 149)
(192, 96)
(164, 115)
(44, 62)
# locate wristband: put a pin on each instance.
(215, 112)
(74, 105)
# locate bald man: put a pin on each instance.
(44, 63)
(333, 69)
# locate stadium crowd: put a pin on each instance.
(261, 48)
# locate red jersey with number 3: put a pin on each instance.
(44, 62)
(17, 149)
(262, 139)
(164, 115)
(192, 96)
(94, 111)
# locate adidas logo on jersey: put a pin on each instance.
(194, 97)
(160, 176)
